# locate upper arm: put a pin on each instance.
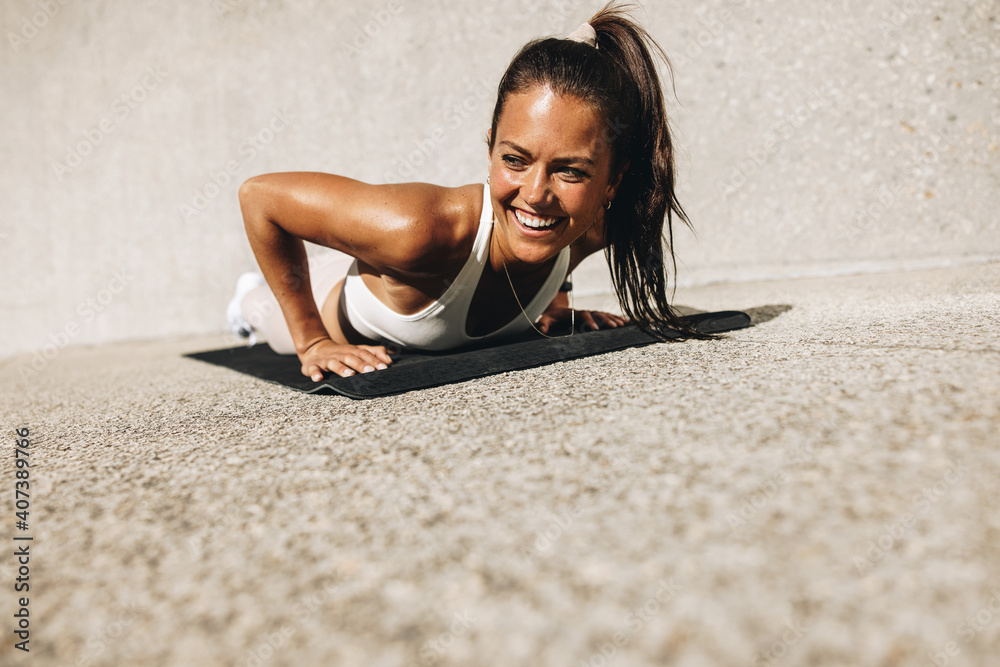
(386, 226)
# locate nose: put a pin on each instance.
(535, 190)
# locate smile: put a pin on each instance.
(533, 221)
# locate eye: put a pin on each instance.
(572, 174)
(513, 161)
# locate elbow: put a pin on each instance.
(254, 203)
(248, 193)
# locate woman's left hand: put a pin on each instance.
(592, 319)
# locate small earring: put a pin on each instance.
(607, 207)
(487, 179)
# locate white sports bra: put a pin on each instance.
(441, 325)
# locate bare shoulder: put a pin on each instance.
(438, 224)
(404, 227)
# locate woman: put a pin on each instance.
(580, 160)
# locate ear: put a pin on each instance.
(489, 138)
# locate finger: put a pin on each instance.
(380, 353)
(313, 372)
(544, 323)
(611, 320)
(383, 354)
(336, 367)
(354, 362)
(371, 362)
(588, 319)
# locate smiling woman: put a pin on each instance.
(580, 161)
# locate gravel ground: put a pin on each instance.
(819, 489)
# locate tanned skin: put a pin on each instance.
(412, 239)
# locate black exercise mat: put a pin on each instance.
(411, 371)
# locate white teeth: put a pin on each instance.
(533, 222)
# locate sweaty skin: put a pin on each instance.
(548, 162)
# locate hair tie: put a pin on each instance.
(585, 33)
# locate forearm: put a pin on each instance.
(561, 301)
(283, 261)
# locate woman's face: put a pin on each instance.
(550, 174)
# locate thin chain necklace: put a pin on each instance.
(572, 311)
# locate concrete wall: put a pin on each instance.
(814, 137)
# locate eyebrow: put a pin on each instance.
(562, 160)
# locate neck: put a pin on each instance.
(501, 262)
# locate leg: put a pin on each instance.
(261, 309)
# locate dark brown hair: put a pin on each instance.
(620, 80)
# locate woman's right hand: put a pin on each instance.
(344, 360)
